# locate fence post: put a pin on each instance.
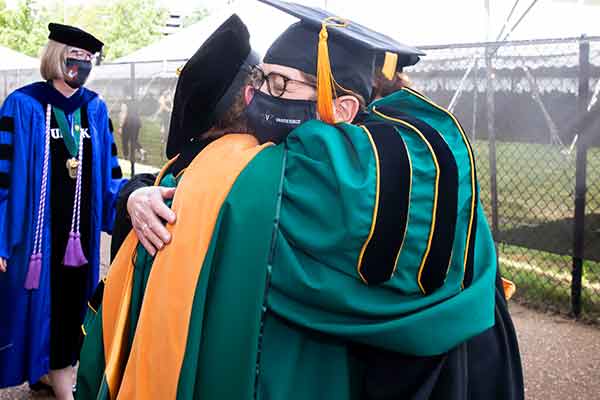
(4, 74)
(131, 146)
(491, 111)
(583, 96)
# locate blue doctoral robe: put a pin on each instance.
(25, 314)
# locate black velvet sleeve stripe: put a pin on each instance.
(110, 126)
(378, 258)
(96, 300)
(5, 152)
(469, 247)
(468, 276)
(434, 267)
(117, 173)
(4, 180)
(113, 149)
(7, 124)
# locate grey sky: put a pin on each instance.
(444, 21)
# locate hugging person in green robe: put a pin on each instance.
(348, 261)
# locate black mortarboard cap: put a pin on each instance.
(74, 37)
(209, 82)
(348, 50)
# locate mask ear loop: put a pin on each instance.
(63, 64)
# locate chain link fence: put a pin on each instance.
(139, 97)
(531, 111)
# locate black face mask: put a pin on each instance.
(272, 118)
(77, 72)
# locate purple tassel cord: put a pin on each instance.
(74, 256)
(32, 280)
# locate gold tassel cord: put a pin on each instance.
(390, 64)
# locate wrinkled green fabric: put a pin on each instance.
(415, 106)
(279, 295)
(91, 363)
(225, 326)
(330, 177)
(90, 374)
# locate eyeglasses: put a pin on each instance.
(81, 54)
(277, 84)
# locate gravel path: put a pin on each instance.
(561, 358)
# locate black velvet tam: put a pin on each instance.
(209, 82)
(74, 37)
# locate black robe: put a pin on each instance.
(123, 221)
(486, 367)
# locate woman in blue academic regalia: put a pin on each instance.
(59, 177)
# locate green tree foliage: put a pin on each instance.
(127, 25)
(123, 25)
(197, 15)
(21, 28)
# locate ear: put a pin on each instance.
(345, 108)
(248, 94)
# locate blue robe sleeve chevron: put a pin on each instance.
(12, 163)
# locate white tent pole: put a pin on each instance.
(554, 137)
(460, 88)
(594, 96)
(488, 21)
(507, 20)
(520, 19)
(475, 101)
(461, 85)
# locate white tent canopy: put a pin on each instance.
(10, 59)
(414, 23)
(264, 24)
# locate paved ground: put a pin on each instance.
(561, 358)
(139, 168)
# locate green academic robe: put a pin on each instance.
(370, 234)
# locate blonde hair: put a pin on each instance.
(53, 60)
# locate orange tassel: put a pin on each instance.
(324, 80)
(509, 288)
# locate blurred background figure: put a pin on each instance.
(165, 105)
(130, 124)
